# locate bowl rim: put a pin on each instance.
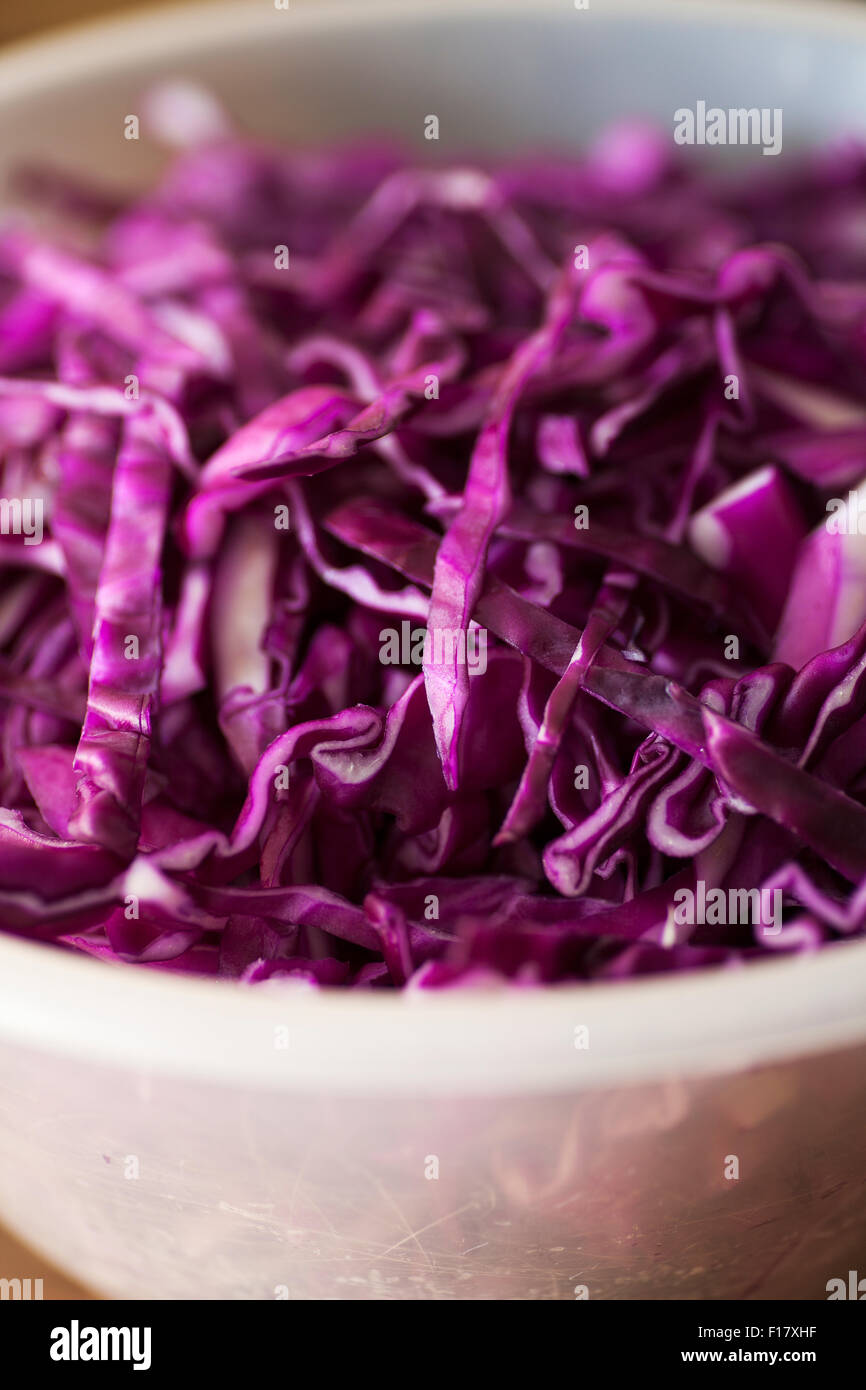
(468, 1040)
(497, 1040)
(35, 61)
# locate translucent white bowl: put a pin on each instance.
(164, 1137)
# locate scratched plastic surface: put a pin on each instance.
(256, 1196)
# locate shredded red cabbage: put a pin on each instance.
(421, 576)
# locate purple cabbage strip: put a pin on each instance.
(112, 755)
(460, 559)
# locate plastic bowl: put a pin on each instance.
(168, 1137)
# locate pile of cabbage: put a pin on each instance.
(600, 421)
